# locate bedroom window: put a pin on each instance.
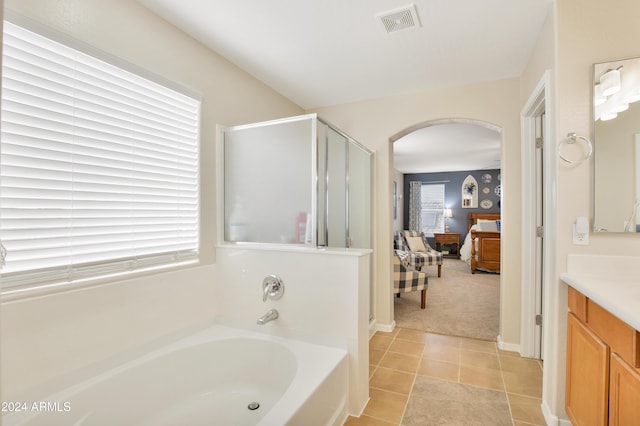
(432, 199)
(99, 167)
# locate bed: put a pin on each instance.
(481, 248)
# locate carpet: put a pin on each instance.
(458, 304)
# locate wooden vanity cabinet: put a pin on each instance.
(603, 360)
(624, 393)
(586, 398)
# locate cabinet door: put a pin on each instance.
(624, 402)
(587, 390)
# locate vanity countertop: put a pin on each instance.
(611, 281)
(618, 294)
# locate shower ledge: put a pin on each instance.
(610, 281)
(296, 248)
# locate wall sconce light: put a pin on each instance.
(447, 213)
(608, 116)
(634, 97)
(621, 107)
(610, 82)
(598, 97)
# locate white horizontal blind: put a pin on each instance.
(432, 199)
(99, 166)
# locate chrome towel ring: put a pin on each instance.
(571, 139)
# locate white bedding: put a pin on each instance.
(465, 250)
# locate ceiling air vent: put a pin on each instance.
(401, 19)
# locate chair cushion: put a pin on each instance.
(416, 244)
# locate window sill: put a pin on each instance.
(28, 292)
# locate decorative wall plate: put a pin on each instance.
(486, 190)
(486, 178)
(486, 204)
(498, 190)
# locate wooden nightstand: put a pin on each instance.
(449, 238)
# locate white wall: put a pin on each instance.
(326, 296)
(50, 335)
(372, 123)
(588, 31)
(129, 31)
(577, 34)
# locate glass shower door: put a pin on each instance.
(268, 191)
(337, 231)
(359, 196)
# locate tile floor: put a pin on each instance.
(418, 378)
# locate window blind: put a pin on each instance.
(99, 166)
(432, 199)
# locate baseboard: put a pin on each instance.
(511, 347)
(373, 327)
(387, 328)
(551, 419)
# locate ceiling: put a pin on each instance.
(331, 52)
(448, 147)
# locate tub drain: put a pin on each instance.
(253, 406)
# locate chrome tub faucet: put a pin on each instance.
(269, 316)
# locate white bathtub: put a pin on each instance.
(208, 378)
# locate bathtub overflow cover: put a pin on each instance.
(253, 406)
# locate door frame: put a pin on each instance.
(531, 342)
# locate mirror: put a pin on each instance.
(616, 113)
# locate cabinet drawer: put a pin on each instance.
(578, 304)
(448, 239)
(622, 339)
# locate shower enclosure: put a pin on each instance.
(297, 180)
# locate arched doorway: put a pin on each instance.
(441, 153)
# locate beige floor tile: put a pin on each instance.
(438, 402)
(375, 355)
(478, 345)
(388, 333)
(380, 342)
(523, 384)
(385, 405)
(392, 380)
(432, 339)
(439, 369)
(442, 353)
(520, 365)
(482, 377)
(408, 334)
(395, 360)
(526, 409)
(372, 369)
(406, 347)
(508, 353)
(477, 359)
(402, 362)
(367, 421)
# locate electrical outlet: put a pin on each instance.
(580, 235)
